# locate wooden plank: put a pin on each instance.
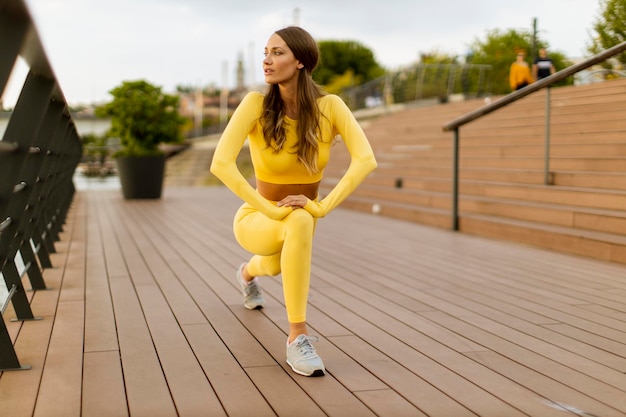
(427, 398)
(200, 278)
(608, 345)
(188, 385)
(327, 392)
(115, 265)
(228, 379)
(287, 398)
(146, 387)
(388, 403)
(100, 329)
(397, 341)
(61, 382)
(566, 376)
(103, 392)
(462, 270)
(158, 253)
(189, 388)
(558, 398)
(413, 321)
(19, 389)
(582, 357)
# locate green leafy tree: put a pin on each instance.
(142, 117)
(499, 49)
(610, 28)
(341, 60)
(340, 83)
(437, 57)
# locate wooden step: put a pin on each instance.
(602, 180)
(408, 212)
(583, 197)
(575, 217)
(606, 246)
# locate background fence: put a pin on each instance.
(420, 82)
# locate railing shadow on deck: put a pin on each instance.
(39, 152)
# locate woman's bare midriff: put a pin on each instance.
(276, 192)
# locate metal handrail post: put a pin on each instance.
(451, 80)
(455, 181)
(546, 178)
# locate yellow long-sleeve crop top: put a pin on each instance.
(283, 167)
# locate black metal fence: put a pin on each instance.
(39, 152)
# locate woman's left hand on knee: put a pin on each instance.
(293, 201)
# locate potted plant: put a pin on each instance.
(142, 117)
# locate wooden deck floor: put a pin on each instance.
(144, 318)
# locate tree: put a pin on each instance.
(499, 50)
(142, 117)
(610, 28)
(346, 60)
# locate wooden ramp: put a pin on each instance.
(143, 318)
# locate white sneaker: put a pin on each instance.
(252, 298)
(303, 359)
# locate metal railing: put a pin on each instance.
(39, 152)
(421, 82)
(455, 124)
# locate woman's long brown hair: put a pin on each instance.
(306, 51)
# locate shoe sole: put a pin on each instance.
(317, 372)
(253, 307)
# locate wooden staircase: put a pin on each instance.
(502, 191)
(190, 168)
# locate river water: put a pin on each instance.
(81, 182)
(83, 125)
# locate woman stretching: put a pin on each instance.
(290, 130)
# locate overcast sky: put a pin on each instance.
(93, 45)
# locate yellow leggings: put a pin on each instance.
(280, 246)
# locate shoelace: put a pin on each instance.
(305, 348)
(252, 289)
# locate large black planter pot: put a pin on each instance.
(141, 176)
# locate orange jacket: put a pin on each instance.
(518, 74)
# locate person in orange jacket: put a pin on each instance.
(519, 75)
